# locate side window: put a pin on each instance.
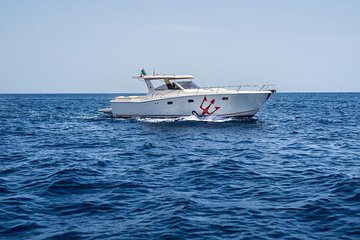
(172, 86)
(191, 100)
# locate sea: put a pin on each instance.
(68, 171)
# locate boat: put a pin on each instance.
(179, 96)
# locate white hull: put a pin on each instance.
(244, 104)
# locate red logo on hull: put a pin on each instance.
(206, 109)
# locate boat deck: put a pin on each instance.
(129, 98)
(106, 110)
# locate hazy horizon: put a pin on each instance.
(97, 46)
(145, 92)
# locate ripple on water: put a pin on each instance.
(69, 172)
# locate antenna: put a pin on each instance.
(153, 71)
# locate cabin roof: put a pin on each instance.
(167, 76)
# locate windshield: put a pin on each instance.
(171, 86)
(188, 85)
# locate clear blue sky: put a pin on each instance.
(97, 46)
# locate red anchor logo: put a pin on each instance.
(206, 109)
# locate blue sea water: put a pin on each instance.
(69, 172)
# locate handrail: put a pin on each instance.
(245, 87)
(239, 88)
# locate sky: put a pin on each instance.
(86, 46)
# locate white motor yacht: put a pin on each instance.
(179, 96)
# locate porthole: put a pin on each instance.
(170, 102)
(225, 98)
(191, 100)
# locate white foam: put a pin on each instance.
(185, 119)
(156, 120)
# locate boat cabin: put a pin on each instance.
(171, 82)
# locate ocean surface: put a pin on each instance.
(70, 172)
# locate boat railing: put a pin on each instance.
(237, 89)
(240, 88)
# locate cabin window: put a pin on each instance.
(188, 85)
(225, 98)
(170, 102)
(162, 87)
(173, 86)
(191, 100)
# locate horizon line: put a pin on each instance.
(4, 93)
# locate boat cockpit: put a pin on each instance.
(180, 85)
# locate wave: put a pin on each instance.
(69, 172)
(186, 119)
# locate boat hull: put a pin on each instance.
(225, 105)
